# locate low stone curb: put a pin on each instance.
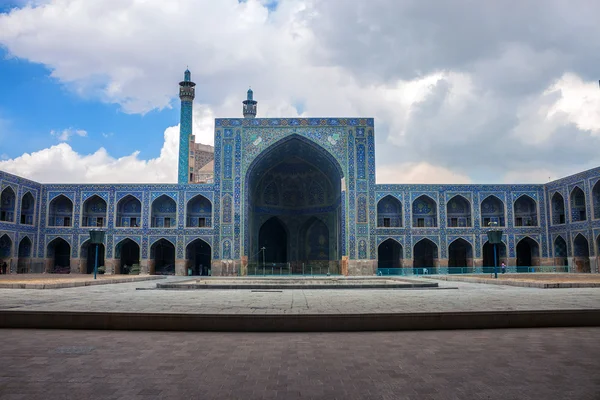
(297, 323)
(250, 286)
(62, 285)
(540, 285)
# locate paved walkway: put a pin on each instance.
(496, 364)
(453, 296)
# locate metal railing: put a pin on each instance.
(470, 270)
(302, 269)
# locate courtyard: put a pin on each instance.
(511, 364)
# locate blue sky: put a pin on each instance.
(32, 104)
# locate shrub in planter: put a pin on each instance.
(101, 269)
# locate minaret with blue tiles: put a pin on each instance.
(249, 107)
(186, 94)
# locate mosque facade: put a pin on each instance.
(294, 196)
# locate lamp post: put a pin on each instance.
(96, 238)
(263, 254)
(494, 237)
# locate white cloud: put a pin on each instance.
(107, 135)
(468, 92)
(66, 134)
(422, 172)
(61, 164)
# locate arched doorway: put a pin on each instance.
(460, 256)
(199, 257)
(389, 254)
(58, 253)
(488, 255)
(389, 212)
(577, 205)
(162, 255)
(560, 252)
(6, 252)
(88, 253)
(127, 252)
(293, 182)
(528, 252)
(7, 205)
(581, 254)
(425, 257)
(24, 263)
(272, 237)
(558, 209)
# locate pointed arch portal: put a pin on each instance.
(294, 206)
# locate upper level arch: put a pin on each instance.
(525, 211)
(577, 202)
(8, 204)
(129, 212)
(492, 211)
(596, 200)
(60, 211)
(389, 212)
(458, 212)
(27, 209)
(163, 212)
(198, 213)
(558, 209)
(94, 212)
(424, 212)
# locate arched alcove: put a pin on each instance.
(558, 209)
(298, 183)
(458, 212)
(577, 205)
(127, 251)
(460, 254)
(129, 212)
(525, 210)
(7, 205)
(199, 257)
(94, 212)
(528, 252)
(560, 251)
(425, 256)
(492, 210)
(87, 255)
(58, 254)
(27, 209)
(164, 212)
(596, 200)
(25, 249)
(581, 254)
(162, 255)
(198, 212)
(424, 210)
(60, 211)
(390, 254)
(488, 254)
(389, 212)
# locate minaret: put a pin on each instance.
(249, 105)
(186, 94)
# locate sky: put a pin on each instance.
(461, 92)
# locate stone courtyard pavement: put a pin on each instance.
(450, 297)
(520, 364)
